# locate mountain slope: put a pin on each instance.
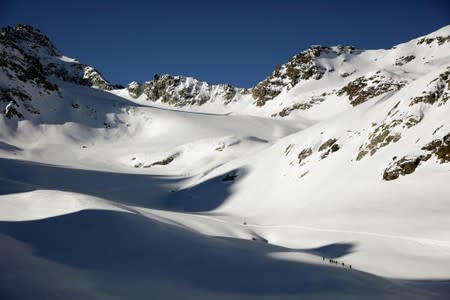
(340, 158)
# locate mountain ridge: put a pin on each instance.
(41, 59)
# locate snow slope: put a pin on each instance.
(327, 180)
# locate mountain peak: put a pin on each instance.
(29, 35)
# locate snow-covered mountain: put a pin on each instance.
(340, 158)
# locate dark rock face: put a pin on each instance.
(181, 91)
(439, 148)
(404, 166)
(29, 60)
(403, 60)
(39, 59)
(11, 111)
(328, 147)
(304, 154)
(303, 66)
(163, 162)
(437, 92)
(134, 89)
(440, 40)
(18, 62)
(381, 137)
(364, 88)
(299, 106)
(164, 88)
(27, 37)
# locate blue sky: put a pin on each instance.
(238, 42)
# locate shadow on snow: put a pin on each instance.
(149, 191)
(136, 257)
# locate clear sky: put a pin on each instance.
(238, 42)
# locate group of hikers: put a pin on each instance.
(333, 261)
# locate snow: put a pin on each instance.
(91, 207)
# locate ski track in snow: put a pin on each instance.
(433, 242)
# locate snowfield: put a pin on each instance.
(334, 186)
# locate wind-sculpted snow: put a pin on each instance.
(327, 180)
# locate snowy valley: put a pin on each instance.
(330, 179)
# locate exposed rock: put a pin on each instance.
(29, 61)
(412, 120)
(299, 106)
(134, 89)
(95, 79)
(181, 91)
(366, 87)
(33, 38)
(404, 166)
(18, 61)
(439, 39)
(304, 154)
(437, 129)
(304, 174)
(328, 147)
(393, 110)
(16, 99)
(439, 148)
(346, 74)
(288, 149)
(437, 91)
(379, 138)
(11, 111)
(227, 91)
(402, 60)
(303, 66)
(14, 95)
(31, 56)
(163, 162)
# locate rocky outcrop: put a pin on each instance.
(440, 148)
(134, 89)
(440, 40)
(328, 147)
(403, 60)
(30, 54)
(181, 91)
(300, 106)
(29, 61)
(404, 166)
(366, 87)
(304, 154)
(437, 91)
(382, 136)
(303, 66)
